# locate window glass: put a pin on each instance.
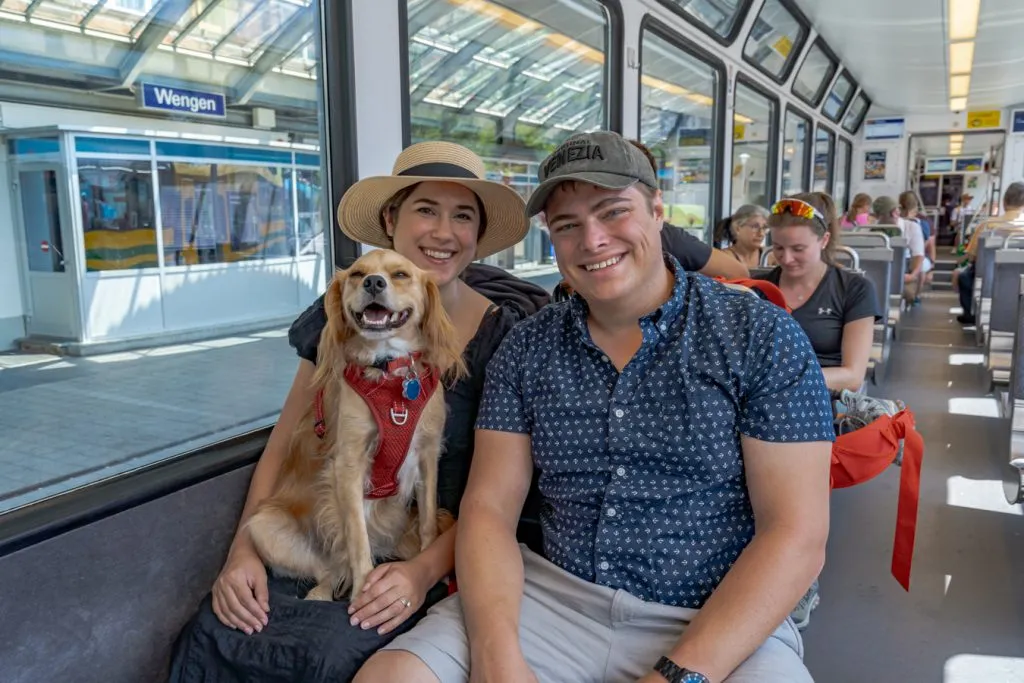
(509, 81)
(720, 16)
(855, 116)
(823, 144)
(814, 75)
(838, 97)
(794, 154)
(842, 184)
(678, 125)
(753, 157)
(775, 39)
(118, 215)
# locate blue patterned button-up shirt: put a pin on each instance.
(641, 471)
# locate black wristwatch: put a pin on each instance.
(676, 674)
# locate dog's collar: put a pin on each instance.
(390, 365)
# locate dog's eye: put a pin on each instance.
(356, 273)
(400, 275)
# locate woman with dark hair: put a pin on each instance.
(744, 234)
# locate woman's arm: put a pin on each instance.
(858, 336)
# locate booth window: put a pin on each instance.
(841, 194)
(118, 215)
(719, 18)
(775, 40)
(755, 130)
(824, 145)
(855, 116)
(795, 148)
(814, 75)
(839, 97)
(510, 81)
(679, 123)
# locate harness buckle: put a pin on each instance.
(399, 414)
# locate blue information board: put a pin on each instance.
(182, 100)
(884, 129)
(1018, 121)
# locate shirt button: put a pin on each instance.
(604, 566)
(610, 512)
(621, 471)
(619, 412)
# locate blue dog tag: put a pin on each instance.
(411, 388)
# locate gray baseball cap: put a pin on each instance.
(602, 158)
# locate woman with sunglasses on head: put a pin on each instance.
(744, 233)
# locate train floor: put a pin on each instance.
(963, 619)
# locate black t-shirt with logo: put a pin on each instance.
(842, 296)
(691, 253)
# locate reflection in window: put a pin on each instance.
(677, 123)
(855, 115)
(794, 154)
(814, 76)
(117, 214)
(753, 142)
(718, 15)
(841, 195)
(838, 97)
(508, 85)
(775, 39)
(221, 213)
(823, 143)
(310, 216)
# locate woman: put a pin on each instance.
(836, 307)
(744, 233)
(436, 210)
(860, 212)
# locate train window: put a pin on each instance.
(721, 19)
(679, 122)
(755, 130)
(510, 81)
(824, 147)
(841, 194)
(839, 97)
(855, 116)
(814, 75)
(775, 40)
(796, 145)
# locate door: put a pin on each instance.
(51, 296)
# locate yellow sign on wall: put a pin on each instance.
(739, 131)
(984, 119)
(783, 46)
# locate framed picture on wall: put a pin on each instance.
(874, 165)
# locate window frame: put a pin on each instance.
(842, 140)
(838, 120)
(797, 48)
(863, 117)
(805, 180)
(772, 181)
(819, 94)
(830, 165)
(613, 66)
(717, 64)
(734, 33)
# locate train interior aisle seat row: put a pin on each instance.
(170, 172)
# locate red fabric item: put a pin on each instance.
(771, 291)
(396, 419)
(864, 454)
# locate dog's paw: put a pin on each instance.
(322, 591)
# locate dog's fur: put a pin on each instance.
(318, 523)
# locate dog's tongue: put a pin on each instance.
(376, 316)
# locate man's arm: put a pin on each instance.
(488, 562)
(789, 493)
(721, 264)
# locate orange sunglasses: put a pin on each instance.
(798, 208)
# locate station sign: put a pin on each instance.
(984, 119)
(884, 129)
(182, 101)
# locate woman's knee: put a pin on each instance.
(395, 665)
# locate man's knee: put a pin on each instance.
(395, 665)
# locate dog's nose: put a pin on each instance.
(374, 284)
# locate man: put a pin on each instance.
(887, 212)
(665, 413)
(1011, 221)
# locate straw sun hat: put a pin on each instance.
(359, 212)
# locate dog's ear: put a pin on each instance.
(338, 330)
(442, 344)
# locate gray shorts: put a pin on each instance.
(614, 636)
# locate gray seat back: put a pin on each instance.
(1008, 267)
(877, 263)
(847, 257)
(1017, 371)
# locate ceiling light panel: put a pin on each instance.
(961, 58)
(963, 19)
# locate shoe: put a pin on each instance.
(965, 319)
(801, 614)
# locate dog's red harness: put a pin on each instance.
(396, 411)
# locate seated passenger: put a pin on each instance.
(744, 231)
(1011, 219)
(887, 212)
(256, 629)
(665, 413)
(836, 307)
(859, 214)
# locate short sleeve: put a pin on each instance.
(304, 334)
(861, 300)
(691, 253)
(784, 397)
(502, 408)
(915, 238)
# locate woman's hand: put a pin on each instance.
(392, 593)
(240, 596)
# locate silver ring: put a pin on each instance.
(405, 602)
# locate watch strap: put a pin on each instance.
(677, 674)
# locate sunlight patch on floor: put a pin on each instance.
(966, 359)
(972, 668)
(979, 494)
(984, 406)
